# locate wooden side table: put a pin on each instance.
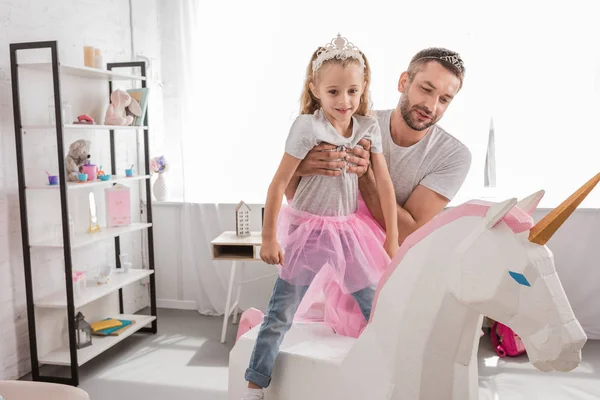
(229, 246)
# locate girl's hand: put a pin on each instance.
(390, 246)
(271, 253)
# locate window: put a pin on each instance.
(530, 67)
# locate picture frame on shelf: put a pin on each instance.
(141, 96)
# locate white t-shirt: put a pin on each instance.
(438, 161)
(328, 195)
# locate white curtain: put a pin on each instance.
(200, 224)
(181, 53)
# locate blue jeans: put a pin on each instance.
(280, 314)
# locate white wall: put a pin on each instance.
(574, 246)
(104, 24)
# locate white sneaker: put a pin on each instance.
(253, 394)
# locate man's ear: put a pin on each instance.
(313, 90)
(403, 82)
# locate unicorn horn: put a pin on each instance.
(543, 230)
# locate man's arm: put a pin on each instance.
(420, 208)
(322, 161)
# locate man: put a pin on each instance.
(428, 166)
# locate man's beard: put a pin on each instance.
(405, 110)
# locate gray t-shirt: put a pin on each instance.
(328, 195)
(439, 161)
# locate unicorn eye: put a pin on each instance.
(519, 278)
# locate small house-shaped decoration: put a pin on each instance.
(242, 219)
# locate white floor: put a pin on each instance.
(517, 379)
(186, 361)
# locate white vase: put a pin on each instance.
(160, 188)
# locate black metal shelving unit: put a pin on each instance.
(52, 46)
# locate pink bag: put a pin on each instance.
(505, 341)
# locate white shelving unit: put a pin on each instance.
(49, 307)
(117, 281)
(61, 356)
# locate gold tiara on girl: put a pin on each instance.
(339, 48)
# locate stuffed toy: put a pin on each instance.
(79, 154)
(121, 102)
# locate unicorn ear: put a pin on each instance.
(498, 211)
(530, 203)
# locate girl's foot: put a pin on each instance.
(253, 394)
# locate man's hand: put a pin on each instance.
(360, 157)
(322, 160)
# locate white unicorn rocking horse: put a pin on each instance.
(476, 259)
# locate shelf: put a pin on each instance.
(93, 292)
(86, 72)
(83, 239)
(53, 306)
(86, 185)
(82, 127)
(61, 356)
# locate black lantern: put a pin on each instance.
(83, 331)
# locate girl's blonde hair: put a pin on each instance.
(309, 103)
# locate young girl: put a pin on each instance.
(321, 227)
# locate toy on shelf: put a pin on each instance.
(130, 171)
(52, 179)
(78, 278)
(99, 275)
(79, 154)
(242, 219)
(121, 102)
(91, 170)
(84, 120)
(102, 175)
(118, 206)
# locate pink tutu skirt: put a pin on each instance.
(335, 257)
